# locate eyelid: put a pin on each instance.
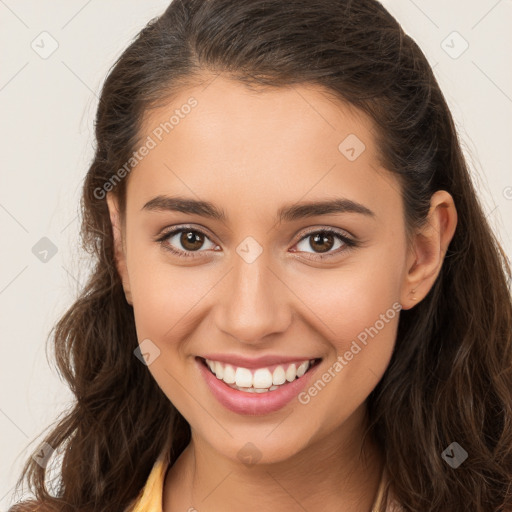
(349, 241)
(167, 233)
(317, 229)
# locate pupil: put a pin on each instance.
(191, 239)
(188, 238)
(320, 238)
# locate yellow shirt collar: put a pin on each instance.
(151, 497)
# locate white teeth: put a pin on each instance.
(262, 380)
(291, 373)
(229, 374)
(279, 376)
(249, 390)
(219, 370)
(301, 370)
(243, 377)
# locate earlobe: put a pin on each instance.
(430, 245)
(119, 250)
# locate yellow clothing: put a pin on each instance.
(151, 497)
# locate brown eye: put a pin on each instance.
(185, 241)
(191, 240)
(321, 242)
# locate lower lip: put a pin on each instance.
(242, 402)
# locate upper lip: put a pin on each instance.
(256, 362)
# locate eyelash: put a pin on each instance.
(349, 243)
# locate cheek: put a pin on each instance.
(359, 322)
(162, 298)
(165, 302)
(356, 309)
(346, 301)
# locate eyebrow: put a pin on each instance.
(287, 213)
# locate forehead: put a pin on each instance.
(251, 116)
(266, 145)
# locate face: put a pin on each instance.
(258, 278)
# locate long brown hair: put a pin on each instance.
(450, 376)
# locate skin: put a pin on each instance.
(250, 153)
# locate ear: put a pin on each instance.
(428, 250)
(119, 246)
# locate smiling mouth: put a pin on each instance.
(259, 380)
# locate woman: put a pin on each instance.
(297, 302)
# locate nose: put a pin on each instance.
(254, 302)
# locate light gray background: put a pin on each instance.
(47, 109)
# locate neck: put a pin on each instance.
(337, 472)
